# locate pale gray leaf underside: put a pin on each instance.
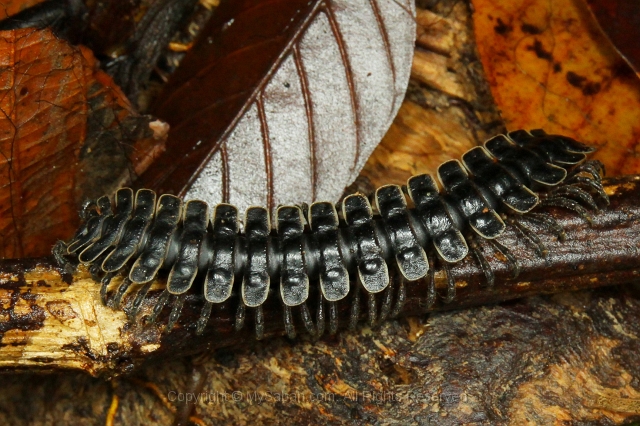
(333, 94)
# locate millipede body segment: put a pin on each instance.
(339, 250)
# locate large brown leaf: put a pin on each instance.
(620, 21)
(11, 7)
(550, 66)
(282, 101)
(66, 133)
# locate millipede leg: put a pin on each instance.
(578, 194)
(372, 309)
(59, 250)
(288, 323)
(241, 314)
(306, 319)
(511, 260)
(578, 176)
(598, 166)
(531, 237)
(162, 300)
(305, 212)
(176, 309)
(333, 318)
(259, 320)
(401, 297)
(431, 286)
(548, 222)
(117, 298)
(596, 187)
(354, 315)
(593, 167)
(96, 266)
(568, 204)
(387, 302)
(142, 293)
(104, 286)
(482, 261)
(86, 207)
(451, 284)
(96, 272)
(320, 316)
(204, 317)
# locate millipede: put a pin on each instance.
(358, 246)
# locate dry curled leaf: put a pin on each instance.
(66, 133)
(550, 66)
(283, 101)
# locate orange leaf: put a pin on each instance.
(66, 134)
(11, 7)
(550, 66)
(620, 21)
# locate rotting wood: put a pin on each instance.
(50, 322)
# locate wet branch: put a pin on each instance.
(51, 322)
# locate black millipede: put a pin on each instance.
(339, 250)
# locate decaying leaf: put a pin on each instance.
(620, 21)
(283, 101)
(11, 7)
(66, 133)
(549, 66)
(129, 48)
